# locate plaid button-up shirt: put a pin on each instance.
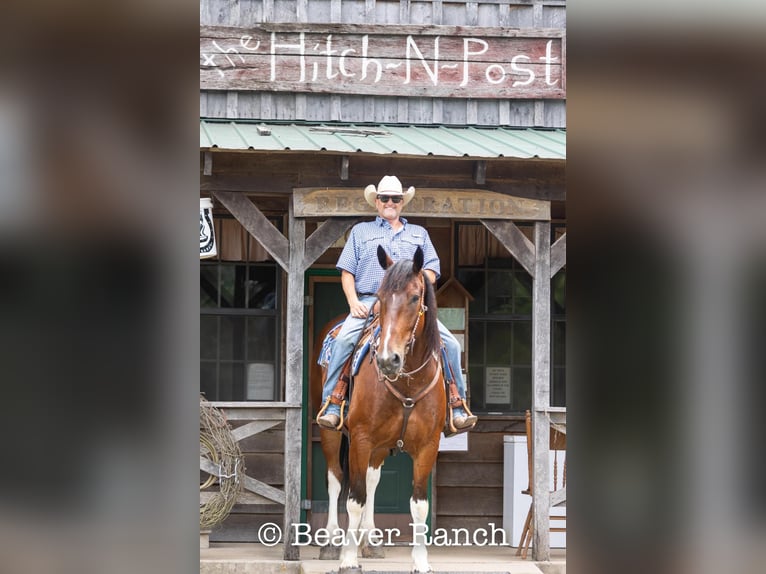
(360, 255)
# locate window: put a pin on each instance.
(239, 319)
(500, 324)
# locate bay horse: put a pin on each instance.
(398, 402)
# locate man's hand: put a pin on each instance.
(358, 309)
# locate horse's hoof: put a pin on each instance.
(371, 551)
(350, 570)
(329, 552)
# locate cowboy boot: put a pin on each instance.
(337, 397)
(460, 421)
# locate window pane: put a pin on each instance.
(262, 288)
(498, 344)
(522, 293)
(499, 292)
(559, 343)
(476, 385)
(207, 380)
(522, 389)
(208, 335)
(522, 342)
(559, 390)
(476, 342)
(232, 338)
(473, 281)
(559, 291)
(261, 339)
(231, 382)
(233, 285)
(208, 286)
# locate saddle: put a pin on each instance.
(341, 394)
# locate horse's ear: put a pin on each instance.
(383, 258)
(417, 261)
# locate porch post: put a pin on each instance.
(541, 369)
(293, 383)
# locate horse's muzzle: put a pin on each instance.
(391, 364)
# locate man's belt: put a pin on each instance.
(365, 294)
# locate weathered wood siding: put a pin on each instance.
(384, 109)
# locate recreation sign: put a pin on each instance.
(427, 202)
(419, 61)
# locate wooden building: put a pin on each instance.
(305, 102)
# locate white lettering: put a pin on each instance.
(433, 73)
(548, 59)
(301, 47)
(367, 61)
(515, 67)
(342, 62)
(467, 52)
(501, 74)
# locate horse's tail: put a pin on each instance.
(343, 460)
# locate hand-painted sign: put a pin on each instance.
(433, 61)
(428, 202)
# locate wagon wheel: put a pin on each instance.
(222, 461)
(207, 450)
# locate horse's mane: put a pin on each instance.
(397, 277)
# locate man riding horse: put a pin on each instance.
(361, 275)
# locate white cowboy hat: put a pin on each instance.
(389, 185)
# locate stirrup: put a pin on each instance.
(449, 426)
(341, 418)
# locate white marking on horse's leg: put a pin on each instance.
(348, 555)
(419, 512)
(368, 519)
(333, 492)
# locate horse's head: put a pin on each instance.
(405, 294)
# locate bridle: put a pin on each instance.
(408, 403)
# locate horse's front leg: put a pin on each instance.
(422, 464)
(372, 545)
(359, 457)
(331, 446)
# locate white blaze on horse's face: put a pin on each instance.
(398, 320)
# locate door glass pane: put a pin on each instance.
(473, 281)
(559, 290)
(231, 381)
(522, 293)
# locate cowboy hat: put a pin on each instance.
(389, 185)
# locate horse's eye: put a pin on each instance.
(414, 299)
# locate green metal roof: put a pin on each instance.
(469, 141)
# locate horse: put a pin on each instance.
(398, 402)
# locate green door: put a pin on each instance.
(393, 494)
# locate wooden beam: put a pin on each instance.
(427, 202)
(480, 172)
(344, 168)
(324, 236)
(252, 428)
(514, 240)
(207, 168)
(541, 384)
(256, 224)
(558, 254)
(253, 485)
(294, 382)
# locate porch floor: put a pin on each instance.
(247, 558)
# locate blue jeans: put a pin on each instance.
(344, 346)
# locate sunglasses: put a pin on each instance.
(387, 198)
